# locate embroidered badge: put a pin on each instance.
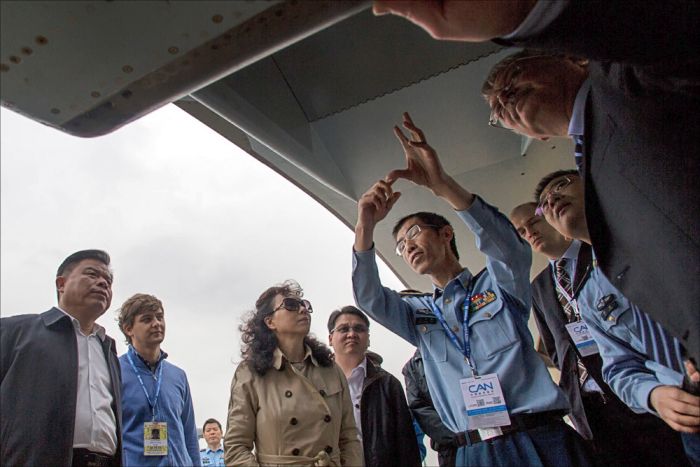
(482, 299)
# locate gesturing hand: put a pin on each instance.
(680, 410)
(372, 207)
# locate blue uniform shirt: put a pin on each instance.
(500, 340)
(212, 458)
(632, 353)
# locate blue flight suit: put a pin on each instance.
(212, 458)
(499, 338)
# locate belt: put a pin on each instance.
(86, 458)
(519, 422)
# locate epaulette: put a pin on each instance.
(414, 293)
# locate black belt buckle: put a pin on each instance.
(86, 458)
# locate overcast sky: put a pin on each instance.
(186, 216)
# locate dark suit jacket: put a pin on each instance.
(551, 322)
(38, 389)
(642, 134)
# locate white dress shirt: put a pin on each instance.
(95, 423)
(355, 382)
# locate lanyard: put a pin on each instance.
(571, 300)
(159, 379)
(466, 349)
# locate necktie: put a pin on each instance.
(564, 281)
(578, 152)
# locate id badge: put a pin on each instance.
(486, 407)
(155, 439)
(582, 338)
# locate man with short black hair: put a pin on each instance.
(213, 454)
(156, 396)
(59, 375)
(487, 382)
(384, 423)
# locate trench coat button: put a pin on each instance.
(322, 392)
(295, 451)
(327, 419)
(288, 394)
(328, 449)
(293, 421)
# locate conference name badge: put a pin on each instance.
(582, 337)
(486, 406)
(155, 439)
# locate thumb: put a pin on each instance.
(395, 174)
(393, 199)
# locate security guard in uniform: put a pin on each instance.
(213, 454)
(485, 378)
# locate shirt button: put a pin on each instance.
(487, 315)
(328, 449)
(357, 406)
(293, 421)
(448, 300)
(288, 394)
(424, 328)
(295, 451)
(327, 419)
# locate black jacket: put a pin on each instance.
(641, 137)
(442, 439)
(38, 389)
(388, 437)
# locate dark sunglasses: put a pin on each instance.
(294, 304)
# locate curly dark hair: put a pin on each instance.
(259, 342)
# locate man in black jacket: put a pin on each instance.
(59, 375)
(619, 436)
(383, 420)
(420, 403)
(633, 113)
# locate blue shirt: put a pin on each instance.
(500, 340)
(631, 354)
(174, 406)
(212, 458)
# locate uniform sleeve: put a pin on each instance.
(508, 257)
(189, 427)
(381, 303)
(349, 443)
(242, 419)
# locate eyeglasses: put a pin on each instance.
(554, 188)
(411, 234)
(507, 94)
(344, 329)
(294, 304)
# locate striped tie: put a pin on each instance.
(564, 281)
(578, 152)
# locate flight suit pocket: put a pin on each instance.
(435, 339)
(490, 331)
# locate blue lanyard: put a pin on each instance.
(159, 379)
(466, 349)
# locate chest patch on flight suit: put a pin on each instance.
(482, 299)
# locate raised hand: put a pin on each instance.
(372, 207)
(460, 20)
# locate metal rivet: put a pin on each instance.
(173, 50)
(217, 18)
(15, 59)
(55, 111)
(41, 40)
(127, 68)
(27, 51)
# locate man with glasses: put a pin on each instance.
(384, 423)
(485, 378)
(642, 363)
(619, 436)
(632, 111)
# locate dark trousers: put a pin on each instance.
(624, 438)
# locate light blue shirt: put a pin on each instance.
(571, 255)
(212, 458)
(630, 365)
(500, 340)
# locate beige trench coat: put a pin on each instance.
(291, 419)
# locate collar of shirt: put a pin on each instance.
(361, 368)
(463, 279)
(278, 357)
(96, 328)
(578, 114)
(163, 356)
(209, 451)
(571, 254)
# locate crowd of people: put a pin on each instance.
(614, 306)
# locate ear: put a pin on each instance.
(60, 283)
(330, 340)
(447, 232)
(270, 323)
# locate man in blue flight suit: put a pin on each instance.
(485, 378)
(642, 363)
(213, 454)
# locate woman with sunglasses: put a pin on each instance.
(289, 402)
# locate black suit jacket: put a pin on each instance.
(642, 134)
(551, 321)
(38, 389)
